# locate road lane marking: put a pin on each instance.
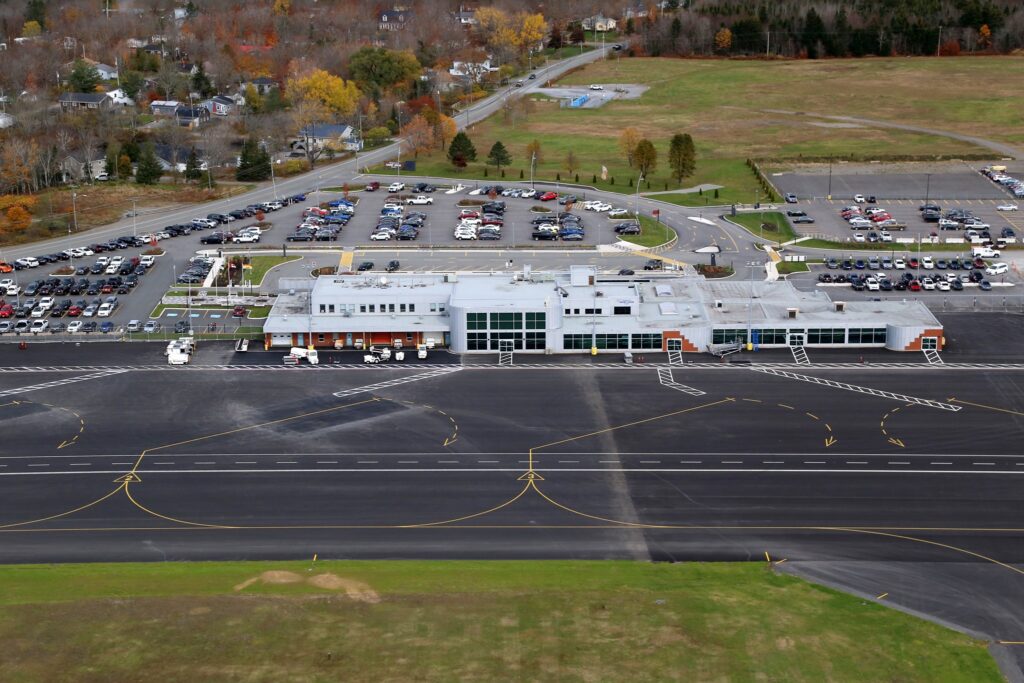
(858, 389)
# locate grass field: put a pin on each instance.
(753, 223)
(654, 233)
(262, 264)
(444, 621)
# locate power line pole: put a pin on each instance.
(938, 45)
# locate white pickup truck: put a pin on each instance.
(420, 199)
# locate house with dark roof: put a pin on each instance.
(164, 107)
(466, 17)
(219, 105)
(98, 101)
(263, 84)
(174, 159)
(394, 19)
(321, 136)
(192, 117)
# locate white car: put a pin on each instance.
(105, 310)
(46, 302)
(596, 87)
(420, 199)
(997, 269)
(899, 264)
(89, 311)
(147, 260)
(112, 268)
(465, 235)
(396, 187)
(1006, 207)
(380, 236)
(38, 312)
(927, 263)
(39, 326)
(943, 285)
(885, 236)
(859, 198)
(860, 223)
(529, 193)
(602, 207)
(27, 262)
(872, 284)
(75, 326)
(9, 287)
(928, 283)
(947, 224)
(469, 222)
(859, 237)
(247, 237)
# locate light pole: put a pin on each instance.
(636, 206)
(750, 305)
(927, 186)
(135, 227)
(533, 164)
(829, 194)
(74, 209)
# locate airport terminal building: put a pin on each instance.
(580, 310)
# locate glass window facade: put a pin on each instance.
(866, 335)
(826, 335)
(476, 321)
(646, 341)
(515, 327)
(726, 336)
(576, 341)
(611, 341)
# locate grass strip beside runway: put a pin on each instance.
(371, 620)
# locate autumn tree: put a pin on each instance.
(572, 162)
(35, 10)
(31, 29)
(499, 156)
(682, 156)
(628, 140)
(534, 152)
(555, 39)
(576, 33)
(723, 39)
(418, 136)
(985, 37)
(18, 218)
(445, 129)
(461, 150)
(337, 96)
(282, 7)
(84, 77)
(646, 157)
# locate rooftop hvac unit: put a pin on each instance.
(840, 306)
(791, 312)
(719, 304)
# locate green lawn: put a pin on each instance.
(787, 267)
(262, 264)
(446, 621)
(654, 233)
(753, 222)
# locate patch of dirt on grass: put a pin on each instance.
(198, 611)
(355, 590)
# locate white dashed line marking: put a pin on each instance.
(732, 462)
(205, 462)
(408, 462)
(773, 462)
(245, 462)
(492, 462)
(367, 462)
(287, 462)
(898, 462)
(987, 464)
(448, 462)
(326, 462)
(940, 463)
(44, 464)
(650, 462)
(80, 464)
(814, 462)
(689, 462)
(856, 462)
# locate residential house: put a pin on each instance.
(187, 68)
(155, 49)
(466, 17)
(176, 158)
(394, 19)
(99, 101)
(599, 23)
(321, 136)
(219, 105)
(120, 97)
(135, 43)
(75, 167)
(192, 117)
(262, 84)
(639, 10)
(473, 70)
(106, 72)
(164, 107)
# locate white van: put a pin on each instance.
(997, 269)
(984, 252)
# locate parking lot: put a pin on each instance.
(886, 186)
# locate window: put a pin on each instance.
(515, 337)
(320, 338)
(476, 341)
(408, 337)
(330, 308)
(433, 308)
(412, 308)
(568, 311)
(506, 321)
(869, 335)
(646, 341)
(401, 308)
(362, 308)
(826, 335)
(391, 308)
(535, 321)
(576, 341)
(535, 341)
(374, 306)
(441, 308)
(611, 341)
(323, 308)
(476, 321)
(768, 336)
(728, 336)
(622, 310)
(593, 311)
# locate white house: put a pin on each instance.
(473, 70)
(337, 136)
(120, 98)
(106, 72)
(219, 105)
(599, 23)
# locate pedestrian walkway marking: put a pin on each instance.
(933, 357)
(345, 263)
(398, 381)
(60, 382)
(860, 390)
(666, 380)
(800, 355)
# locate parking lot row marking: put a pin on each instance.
(666, 380)
(861, 390)
(60, 382)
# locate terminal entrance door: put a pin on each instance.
(796, 339)
(929, 343)
(674, 345)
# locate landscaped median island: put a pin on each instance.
(653, 233)
(768, 226)
(443, 621)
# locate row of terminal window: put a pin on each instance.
(613, 340)
(826, 335)
(378, 308)
(617, 310)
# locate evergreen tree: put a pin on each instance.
(84, 77)
(192, 169)
(36, 11)
(149, 170)
(499, 156)
(461, 149)
(254, 162)
(682, 156)
(576, 33)
(201, 82)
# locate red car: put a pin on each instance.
(879, 217)
(74, 311)
(6, 311)
(238, 312)
(548, 196)
(468, 213)
(914, 263)
(6, 267)
(107, 288)
(914, 286)
(491, 220)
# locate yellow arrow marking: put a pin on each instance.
(831, 441)
(130, 478)
(896, 442)
(882, 596)
(530, 476)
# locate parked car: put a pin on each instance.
(364, 266)
(790, 198)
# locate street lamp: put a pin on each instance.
(636, 206)
(74, 209)
(927, 186)
(750, 304)
(533, 164)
